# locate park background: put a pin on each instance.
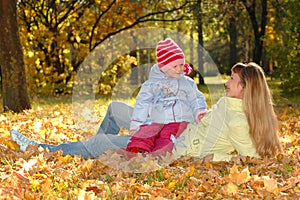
(43, 45)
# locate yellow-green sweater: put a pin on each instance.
(223, 130)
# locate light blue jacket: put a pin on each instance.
(164, 100)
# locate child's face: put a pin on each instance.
(176, 71)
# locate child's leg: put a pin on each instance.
(164, 142)
(143, 140)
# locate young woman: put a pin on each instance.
(234, 123)
(242, 121)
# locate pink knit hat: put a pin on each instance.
(168, 54)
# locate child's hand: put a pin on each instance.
(200, 115)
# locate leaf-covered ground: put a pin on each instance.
(38, 174)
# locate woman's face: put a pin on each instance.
(234, 88)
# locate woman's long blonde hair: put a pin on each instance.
(258, 107)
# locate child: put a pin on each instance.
(166, 103)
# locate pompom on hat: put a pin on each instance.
(168, 54)
(187, 69)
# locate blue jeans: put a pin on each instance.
(118, 115)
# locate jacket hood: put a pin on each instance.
(155, 72)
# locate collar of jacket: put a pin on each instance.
(233, 103)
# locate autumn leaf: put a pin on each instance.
(230, 189)
(12, 145)
(237, 176)
(270, 184)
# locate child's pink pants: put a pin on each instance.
(153, 137)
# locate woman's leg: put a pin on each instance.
(92, 147)
(72, 148)
(118, 115)
(100, 143)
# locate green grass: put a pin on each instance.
(280, 97)
(213, 90)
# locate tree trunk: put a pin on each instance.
(200, 40)
(232, 42)
(232, 36)
(14, 85)
(259, 32)
(134, 75)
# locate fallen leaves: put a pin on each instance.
(39, 174)
(134, 163)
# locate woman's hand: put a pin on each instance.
(208, 158)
